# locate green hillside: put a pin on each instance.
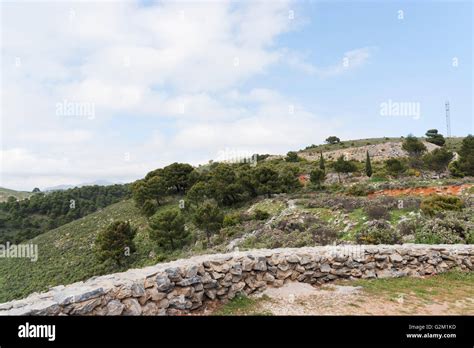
(5, 193)
(65, 253)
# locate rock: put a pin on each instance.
(247, 264)
(189, 281)
(155, 295)
(236, 269)
(284, 274)
(85, 307)
(150, 308)
(293, 259)
(191, 272)
(261, 264)
(396, 258)
(283, 266)
(132, 307)
(267, 277)
(211, 293)
(137, 290)
(174, 274)
(325, 268)
(163, 283)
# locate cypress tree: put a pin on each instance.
(321, 163)
(368, 166)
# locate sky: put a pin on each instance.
(109, 90)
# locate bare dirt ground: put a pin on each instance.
(304, 299)
(423, 191)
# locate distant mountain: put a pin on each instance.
(66, 187)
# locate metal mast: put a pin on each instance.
(448, 121)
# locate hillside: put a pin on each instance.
(5, 193)
(65, 254)
(266, 206)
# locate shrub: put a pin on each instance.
(376, 212)
(377, 232)
(394, 166)
(437, 204)
(261, 214)
(443, 231)
(358, 190)
(232, 220)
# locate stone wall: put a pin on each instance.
(185, 285)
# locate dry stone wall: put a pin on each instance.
(185, 285)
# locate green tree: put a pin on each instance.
(413, 146)
(368, 166)
(415, 149)
(466, 156)
(394, 167)
(438, 159)
(322, 165)
(168, 229)
(178, 175)
(35, 190)
(289, 180)
(267, 180)
(292, 156)
(156, 188)
(149, 207)
(115, 242)
(434, 137)
(317, 176)
(209, 218)
(333, 140)
(343, 166)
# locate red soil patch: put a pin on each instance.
(453, 190)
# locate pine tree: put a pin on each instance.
(322, 166)
(368, 166)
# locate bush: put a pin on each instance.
(232, 220)
(443, 231)
(358, 190)
(394, 167)
(376, 212)
(261, 214)
(378, 232)
(437, 204)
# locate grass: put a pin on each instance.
(243, 305)
(448, 286)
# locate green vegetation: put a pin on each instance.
(436, 204)
(18, 195)
(368, 166)
(434, 137)
(317, 176)
(449, 285)
(243, 305)
(168, 229)
(333, 140)
(27, 218)
(115, 243)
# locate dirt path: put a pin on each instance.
(303, 299)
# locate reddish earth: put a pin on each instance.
(453, 190)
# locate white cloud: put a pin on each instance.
(181, 65)
(351, 60)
